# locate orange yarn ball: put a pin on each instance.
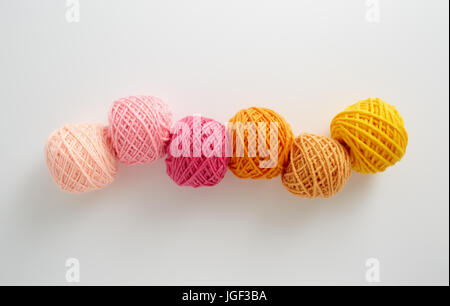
(318, 167)
(374, 132)
(249, 164)
(80, 157)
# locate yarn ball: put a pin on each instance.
(374, 132)
(197, 152)
(139, 129)
(249, 164)
(80, 157)
(318, 167)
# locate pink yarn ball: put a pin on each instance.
(197, 152)
(80, 157)
(139, 129)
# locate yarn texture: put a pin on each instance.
(374, 132)
(203, 161)
(257, 143)
(139, 129)
(248, 166)
(80, 157)
(318, 167)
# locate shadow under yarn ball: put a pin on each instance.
(318, 167)
(196, 155)
(139, 129)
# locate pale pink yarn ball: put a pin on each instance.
(80, 157)
(139, 129)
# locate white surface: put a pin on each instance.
(306, 59)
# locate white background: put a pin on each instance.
(305, 59)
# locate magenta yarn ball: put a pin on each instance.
(139, 127)
(197, 154)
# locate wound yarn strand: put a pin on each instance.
(368, 137)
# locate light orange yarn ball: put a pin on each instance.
(80, 157)
(374, 133)
(259, 161)
(318, 167)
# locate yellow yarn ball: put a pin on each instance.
(374, 133)
(318, 167)
(248, 165)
